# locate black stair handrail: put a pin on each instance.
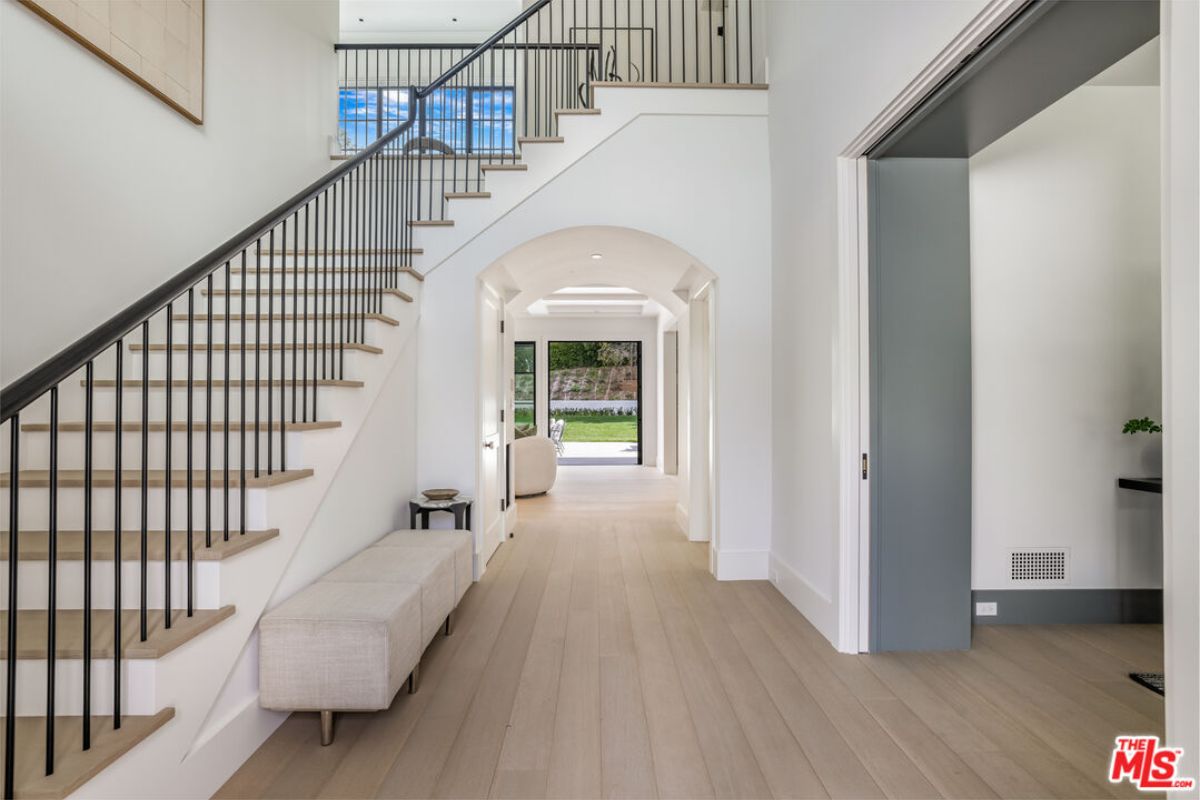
(41, 379)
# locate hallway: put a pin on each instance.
(598, 657)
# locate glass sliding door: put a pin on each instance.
(595, 396)
(525, 388)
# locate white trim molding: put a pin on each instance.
(816, 606)
(1180, 70)
(740, 565)
(853, 596)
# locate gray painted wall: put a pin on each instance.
(920, 405)
(1071, 606)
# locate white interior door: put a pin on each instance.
(491, 440)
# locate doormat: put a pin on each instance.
(1151, 680)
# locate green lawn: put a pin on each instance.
(599, 428)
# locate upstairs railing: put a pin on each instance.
(228, 356)
(550, 62)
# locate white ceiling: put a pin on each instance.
(638, 275)
(417, 20)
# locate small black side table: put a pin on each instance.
(460, 507)
(1152, 485)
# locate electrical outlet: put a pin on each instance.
(986, 609)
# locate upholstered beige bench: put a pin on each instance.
(348, 641)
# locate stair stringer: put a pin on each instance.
(212, 681)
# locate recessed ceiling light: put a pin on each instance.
(597, 256)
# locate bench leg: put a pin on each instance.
(450, 623)
(326, 728)
(414, 679)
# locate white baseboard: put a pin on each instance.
(681, 518)
(741, 565)
(816, 607)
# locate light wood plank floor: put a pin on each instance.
(598, 658)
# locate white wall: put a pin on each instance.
(1066, 339)
(1180, 22)
(718, 214)
(107, 192)
(643, 329)
(833, 67)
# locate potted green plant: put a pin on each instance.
(1142, 425)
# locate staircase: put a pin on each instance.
(161, 472)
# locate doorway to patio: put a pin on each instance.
(594, 401)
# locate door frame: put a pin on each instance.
(1180, 249)
(640, 419)
(483, 550)
(853, 317)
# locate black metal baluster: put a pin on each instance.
(750, 38)
(143, 562)
(243, 384)
(295, 299)
(168, 461)
(191, 349)
(304, 360)
(225, 421)
(117, 481)
(257, 341)
(270, 345)
(89, 388)
(51, 585)
(10, 693)
(339, 295)
(737, 41)
(283, 350)
(208, 381)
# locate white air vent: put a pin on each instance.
(1038, 566)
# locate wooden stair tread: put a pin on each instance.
(405, 296)
(158, 426)
(182, 347)
(431, 223)
(159, 383)
(73, 766)
(467, 195)
(504, 167)
(35, 545)
(160, 640)
(577, 112)
(540, 140)
(156, 478)
(236, 319)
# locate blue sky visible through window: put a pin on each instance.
(474, 119)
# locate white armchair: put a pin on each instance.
(535, 465)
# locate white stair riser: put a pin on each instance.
(270, 364)
(35, 447)
(324, 280)
(138, 688)
(33, 581)
(34, 508)
(330, 399)
(286, 303)
(347, 260)
(324, 331)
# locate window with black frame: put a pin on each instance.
(466, 119)
(525, 388)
